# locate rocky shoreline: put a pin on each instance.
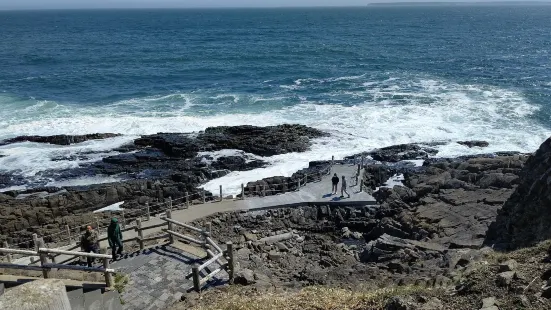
(447, 216)
(156, 167)
(153, 168)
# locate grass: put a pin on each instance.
(521, 255)
(120, 282)
(312, 298)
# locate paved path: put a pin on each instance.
(311, 192)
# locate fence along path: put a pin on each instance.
(318, 189)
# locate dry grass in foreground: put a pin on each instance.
(318, 298)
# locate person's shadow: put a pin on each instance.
(337, 198)
(327, 195)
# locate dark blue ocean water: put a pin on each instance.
(373, 76)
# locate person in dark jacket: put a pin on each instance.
(89, 243)
(114, 236)
(335, 181)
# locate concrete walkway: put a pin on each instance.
(314, 192)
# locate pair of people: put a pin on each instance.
(335, 181)
(90, 241)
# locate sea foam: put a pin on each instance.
(365, 114)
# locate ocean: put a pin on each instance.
(372, 76)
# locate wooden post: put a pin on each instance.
(35, 241)
(196, 283)
(8, 255)
(206, 233)
(221, 193)
(140, 232)
(332, 160)
(147, 210)
(108, 275)
(123, 220)
(231, 262)
(203, 195)
(187, 200)
(298, 184)
(305, 178)
(242, 191)
(170, 226)
(264, 190)
(68, 230)
(170, 202)
(44, 261)
(98, 227)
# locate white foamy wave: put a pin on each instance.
(30, 159)
(82, 181)
(387, 111)
(214, 156)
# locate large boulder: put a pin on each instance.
(525, 217)
(400, 152)
(262, 141)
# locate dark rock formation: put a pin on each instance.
(60, 139)
(279, 184)
(396, 153)
(474, 143)
(526, 217)
(155, 167)
(262, 141)
(402, 152)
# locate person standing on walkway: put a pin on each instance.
(335, 181)
(114, 236)
(343, 187)
(89, 243)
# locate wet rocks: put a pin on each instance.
(376, 175)
(474, 143)
(262, 141)
(60, 139)
(401, 152)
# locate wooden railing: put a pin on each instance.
(215, 254)
(147, 211)
(46, 267)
